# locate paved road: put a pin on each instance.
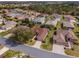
(30, 50)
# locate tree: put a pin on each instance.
(22, 34)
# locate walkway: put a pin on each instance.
(37, 44)
(3, 50)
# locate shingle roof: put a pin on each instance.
(69, 17)
(51, 22)
(68, 24)
(41, 33)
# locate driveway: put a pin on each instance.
(59, 49)
(37, 44)
(32, 51)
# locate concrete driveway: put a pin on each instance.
(37, 44)
(59, 49)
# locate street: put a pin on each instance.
(37, 53)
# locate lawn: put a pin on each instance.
(58, 25)
(6, 32)
(76, 28)
(48, 44)
(9, 53)
(76, 31)
(1, 46)
(74, 51)
(31, 42)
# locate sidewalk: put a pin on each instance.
(3, 50)
(8, 35)
(37, 44)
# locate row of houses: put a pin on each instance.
(36, 18)
(42, 20)
(20, 14)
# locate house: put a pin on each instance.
(59, 38)
(21, 17)
(54, 20)
(8, 25)
(41, 33)
(13, 15)
(57, 17)
(1, 21)
(5, 10)
(51, 22)
(64, 37)
(39, 20)
(70, 18)
(68, 25)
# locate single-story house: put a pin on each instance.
(20, 17)
(1, 21)
(12, 14)
(57, 17)
(68, 24)
(39, 20)
(70, 18)
(59, 38)
(41, 33)
(51, 22)
(64, 37)
(9, 25)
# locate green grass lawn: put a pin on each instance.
(9, 53)
(74, 52)
(76, 28)
(31, 42)
(76, 31)
(5, 33)
(58, 25)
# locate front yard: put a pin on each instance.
(31, 41)
(48, 44)
(1, 46)
(10, 53)
(75, 50)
